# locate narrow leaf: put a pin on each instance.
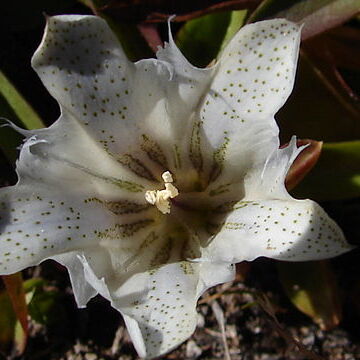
(203, 38)
(145, 11)
(15, 290)
(25, 113)
(13, 316)
(237, 19)
(7, 322)
(303, 163)
(200, 39)
(44, 305)
(312, 288)
(316, 15)
(336, 175)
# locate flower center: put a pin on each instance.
(160, 198)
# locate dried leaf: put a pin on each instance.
(13, 316)
(131, 11)
(316, 15)
(303, 163)
(15, 290)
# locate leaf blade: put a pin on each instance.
(316, 15)
(336, 175)
(25, 113)
(312, 288)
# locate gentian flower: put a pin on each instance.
(159, 176)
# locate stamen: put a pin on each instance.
(160, 198)
(167, 177)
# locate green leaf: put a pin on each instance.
(25, 114)
(33, 284)
(336, 175)
(202, 39)
(237, 19)
(312, 288)
(316, 15)
(44, 306)
(15, 108)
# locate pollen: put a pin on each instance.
(160, 198)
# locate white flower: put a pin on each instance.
(159, 176)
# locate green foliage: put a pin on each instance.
(13, 106)
(12, 102)
(336, 175)
(311, 287)
(44, 305)
(203, 38)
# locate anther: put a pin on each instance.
(160, 198)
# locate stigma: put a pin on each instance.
(161, 198)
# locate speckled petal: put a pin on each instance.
(133, 111)
(158, 305)
(66, 156)
(37, 223)
(254, 77)
(293, 230)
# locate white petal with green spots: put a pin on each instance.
(159, 176)
(292, 230)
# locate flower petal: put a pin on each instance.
(260, 59)
(50, 155)
(267, 180)
(37, 223)
(156, 293)
(212, 274)
(134, 111)
(188, 83)
(83, 291)
(294, 230)
(159, 307)
(254, 77)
